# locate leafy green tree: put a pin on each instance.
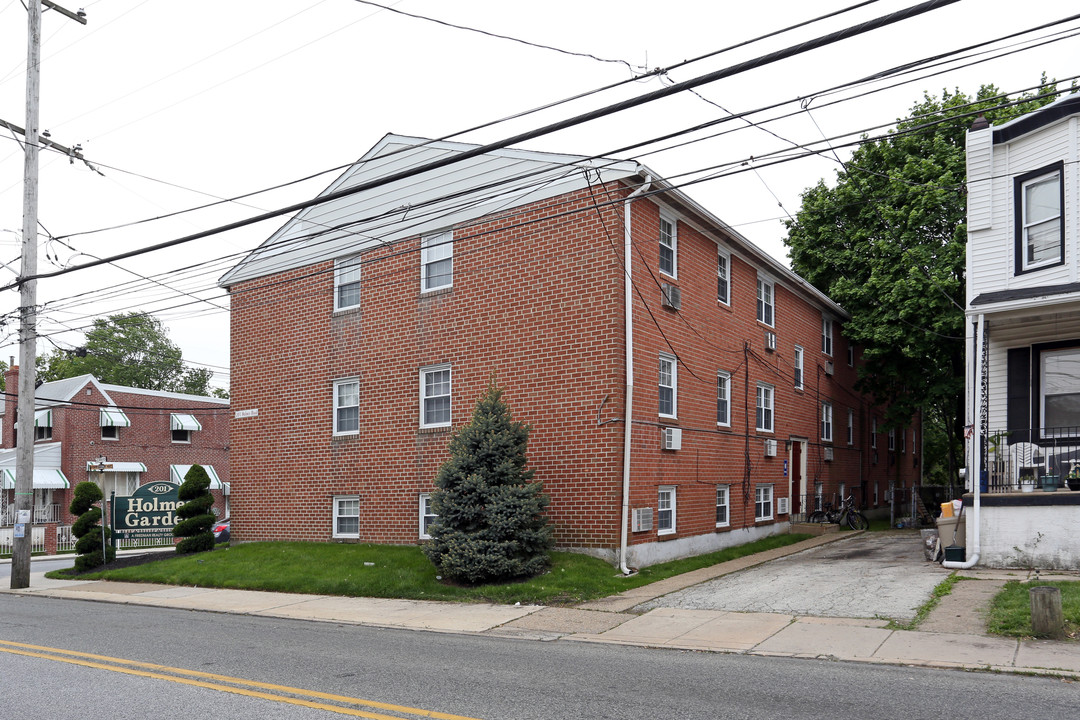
(491, 524)
(197, 520)
(887, 242)
(130, 349)
(88, 530)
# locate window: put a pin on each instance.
(181, 436)
(437, 261)
(346, 407)
(43, 422)
(850, 427)
(182, 425)
(843, 492)
(427, 516)
(798, 367)
(1059, 377)
(347, 283)
(723, 516)
(435, 396)
(346, 516)
(763, 503)
(665, 514)
(819, 495)
(723, 277)
(1040, 232)
(669, 243)
(873, 433)
(826, 421)
(110, 432)
(903, 440)
(826, 336)
(765, 301)
(875, 494)
(850, 355)
(43, 433)
(764, 407)
(668, 386)
(723, 398)
(892, 440)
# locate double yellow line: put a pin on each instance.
(223, 683)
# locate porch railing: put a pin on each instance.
(1020, 460)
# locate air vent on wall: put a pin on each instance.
(828, 453)
(670, 296)
(782, 506)
(770, 341)
(828, 367)
(641, 520)
(770, 448)
(671, 438)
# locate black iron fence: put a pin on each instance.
(1024, 460)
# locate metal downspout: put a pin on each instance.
(628, 413)
(976, 452)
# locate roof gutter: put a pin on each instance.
(628, 412)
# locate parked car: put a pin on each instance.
(221, 531)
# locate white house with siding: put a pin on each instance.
(1023, 338)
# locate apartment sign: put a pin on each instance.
(149, 512)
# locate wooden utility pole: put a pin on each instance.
(24, 453)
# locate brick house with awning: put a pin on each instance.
(117, 436)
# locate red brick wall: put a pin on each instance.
(539, 308)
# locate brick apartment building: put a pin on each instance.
(143, 435)
(365, 328)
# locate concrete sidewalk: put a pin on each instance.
(952, 637)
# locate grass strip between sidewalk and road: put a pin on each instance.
(1010, 610)
(395, 571)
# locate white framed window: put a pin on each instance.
(1059, 392)
(435, 396)
(669, 245)
(346, 406)
(843, 492)
(798, 367)
(437, 261)
(876, 498)
(892, 440)
(179, 435)
(903, 440)
(765, 290)
(763, 503)
(723, 398)
(826, 421)
(723, 507)
(346, 516)
(819, 495)
(826, 336)
(665, 510)
(110, 432)
(850, 427)
(347, 283)
(764, 407)
(427, 516)
(1039, 230)
(723, 277)
(668, 386)
(873, 433)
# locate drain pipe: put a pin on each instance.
(976, 452)
(628, 413)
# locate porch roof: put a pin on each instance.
(44, 479)
(1002, 296)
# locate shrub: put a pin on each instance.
(88, 530)
(196, 524)
(491, 523)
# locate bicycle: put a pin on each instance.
(847, 514)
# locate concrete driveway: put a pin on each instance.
(870, 575)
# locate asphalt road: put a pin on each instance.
(872, 575)
(470, 676)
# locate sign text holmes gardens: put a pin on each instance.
(150, 512)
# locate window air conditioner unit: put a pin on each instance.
(670, 296)
(828, 453)
(770, 341)
(782, 506)
(828, 367)
(770, 448)
(641, 520)
(671, 438)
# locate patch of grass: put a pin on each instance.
(1010, 610)
(392, 571)
(942, 589)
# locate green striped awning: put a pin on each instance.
(114, 417)
(179, 472)
(43, 418)
(182, 421)
(44, 479)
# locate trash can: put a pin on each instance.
(952, 530)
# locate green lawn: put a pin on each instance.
(1010, 611)
(391, 571)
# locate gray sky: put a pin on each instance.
(182, 104)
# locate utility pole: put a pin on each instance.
(24, 453)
